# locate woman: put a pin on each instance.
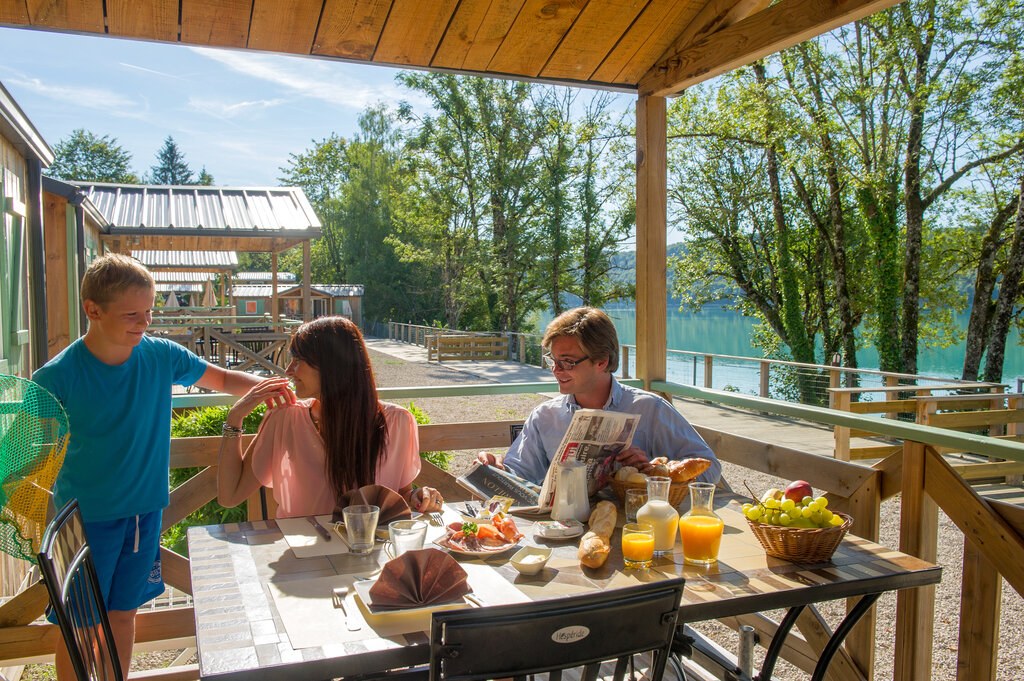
(337, 436)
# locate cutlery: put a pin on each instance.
(475, 600)
(435, 519)
(320, 529)
(338, 599)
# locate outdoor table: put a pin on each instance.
(241, 635)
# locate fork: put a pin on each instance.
(435, 519)
(338, 599)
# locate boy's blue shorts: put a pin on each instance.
(126, 552)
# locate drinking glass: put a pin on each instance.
(635, 499)
(407, 535)
(361, 524)
(638, 545)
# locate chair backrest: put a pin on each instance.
(555, 635)
(70, 577)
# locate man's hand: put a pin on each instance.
(632, 456)
(489, 459)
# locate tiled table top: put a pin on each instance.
(240, 634)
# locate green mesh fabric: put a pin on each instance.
(33, 441)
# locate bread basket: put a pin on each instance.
(677, 491)
(814, 545)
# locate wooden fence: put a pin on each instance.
(993, 534)
(466, 347)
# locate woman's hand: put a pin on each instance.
(273, 392)
(425, 499)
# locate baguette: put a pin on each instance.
(687, 469)
(594, 550)
(596, 544)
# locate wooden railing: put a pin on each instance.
(993, 530)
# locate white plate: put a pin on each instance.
(363, 594)
(443, 543)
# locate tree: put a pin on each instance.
(85, 156)
(205, 178)
(171, 167)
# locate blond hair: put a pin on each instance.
(592, 329)
(110, 275)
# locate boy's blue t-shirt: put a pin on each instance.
(120, 421)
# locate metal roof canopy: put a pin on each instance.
(169, 277)
(261, 277)
(202, 218)
(650, 47)
(326, 290)
(211, 262)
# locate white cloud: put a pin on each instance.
(101, 99)
(327, 81)
(153, 71)
(223, 109)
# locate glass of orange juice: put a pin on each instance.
(638, 545)
(701, 529)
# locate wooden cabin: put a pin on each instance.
(327, 299)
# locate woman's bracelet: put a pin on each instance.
(230, 431)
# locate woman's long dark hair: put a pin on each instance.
(352, 422)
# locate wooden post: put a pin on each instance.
(765, 374)
(841, 434)
(864, 507)
(307, 298)
(651, 220)
(979, 617)
(522, 349)
(274, 303)
(889, 382)
(915, 608)
(708, 362)
(625, 361)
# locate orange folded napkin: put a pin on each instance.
(391, 504)
(419, 578)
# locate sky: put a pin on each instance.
(239, 114)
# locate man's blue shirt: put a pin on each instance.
(662, 431)
(120, 421)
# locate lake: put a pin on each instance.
(725, 332)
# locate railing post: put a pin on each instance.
(766, 367)
(891, 381)
(915, 608)
(625, 361)
(979, 617)
(708, 360)
(522, 348)
(834, 374)
(841, 434)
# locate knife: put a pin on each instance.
(320, 529)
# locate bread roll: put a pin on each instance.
(624, 473)
(594, 550)
(687, 469)
(602, 519)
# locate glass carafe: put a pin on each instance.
(659, 514)
(700, 528)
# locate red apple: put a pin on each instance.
(798, 489)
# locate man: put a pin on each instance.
(583, 353)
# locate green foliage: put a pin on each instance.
(439, 459)
(85, 156)
(204, 422)
(171, 167)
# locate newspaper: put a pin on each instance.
(594, 437)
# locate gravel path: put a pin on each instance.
(392, 372)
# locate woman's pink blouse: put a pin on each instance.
(288, 455)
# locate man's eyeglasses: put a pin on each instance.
(563, 364)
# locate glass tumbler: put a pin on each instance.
(361, 524)
(635, 499)
(406, 535)
(637, 545)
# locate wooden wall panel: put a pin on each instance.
(534, 35)
(284, 25)
(68, 15)
(475, 33)
(56, 257)
(591, 38)
(413, 31)
(147, 19)
(224, 24)
(351, 28)
(13, 13)
(647, 39)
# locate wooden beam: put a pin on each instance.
(915, 608)
(651, 226)
(176, 569)
(773, 29)
(307, 281)
(979, 617)
(472, 435)
(25, 607)
(189, 496)
(817, 632)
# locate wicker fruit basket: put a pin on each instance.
(799, 545)
(676, 491)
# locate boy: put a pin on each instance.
(115, 385)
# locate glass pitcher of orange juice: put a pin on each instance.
(700, 528)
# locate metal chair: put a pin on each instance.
(70, 577)
(558, 635)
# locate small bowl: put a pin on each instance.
(526, 560)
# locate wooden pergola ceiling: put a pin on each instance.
(651, 47)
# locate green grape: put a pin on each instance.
(827, 515)
(806, 512)
(747, 507)
(836, 520)
(816, 518)
(785, 520)
(754, 513)
(822, 501)
(814, 506)
(806, 500)
(788, 505)
(772, 503)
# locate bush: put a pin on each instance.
(204, 422)
(439, 459)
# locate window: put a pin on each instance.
(250, 307)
